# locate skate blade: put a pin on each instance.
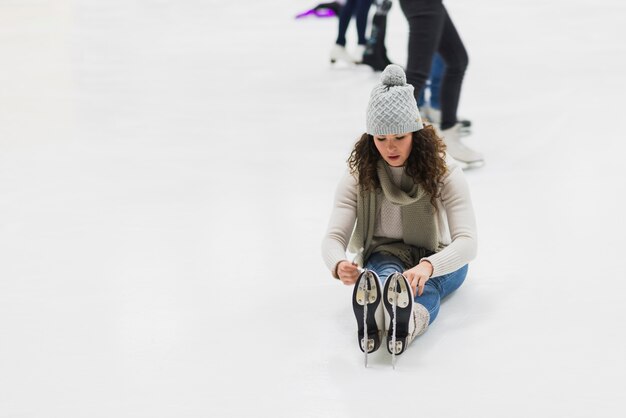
(471, 165)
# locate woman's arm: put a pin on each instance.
(341, 223)
(457, 203)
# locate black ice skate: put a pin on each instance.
(368, 310)
(407, 319)
(375, 54)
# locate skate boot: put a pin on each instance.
(358, 53)
(339, 53)
(374, 61)
(368, 310)
(407, 319)
(382, 49)
(375, 55)
(457, 150)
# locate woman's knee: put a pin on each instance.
(451, 282)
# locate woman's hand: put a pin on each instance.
(418, 276)
(347, 272)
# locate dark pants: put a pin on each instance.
(360, 10)
(431, 30)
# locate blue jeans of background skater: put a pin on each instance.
(433, 84)
(436, 288)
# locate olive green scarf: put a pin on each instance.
(419, 222)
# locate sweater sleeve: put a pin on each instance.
(341, 223)
(457, 203)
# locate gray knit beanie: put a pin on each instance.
(392, 108)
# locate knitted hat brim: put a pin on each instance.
(387, 129)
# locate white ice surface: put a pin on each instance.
(166, 175)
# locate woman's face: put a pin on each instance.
(395, 149)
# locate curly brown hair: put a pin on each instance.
(426, 163)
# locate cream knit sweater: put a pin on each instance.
(457, 224)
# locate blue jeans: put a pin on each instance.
(436, 288)
(433, 84)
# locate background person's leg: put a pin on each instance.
(436, 76)
(344, 20)
(456, 60)
(426, 19)
(361, 14)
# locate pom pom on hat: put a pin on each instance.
(393, 76)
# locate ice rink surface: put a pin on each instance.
(167, 170)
